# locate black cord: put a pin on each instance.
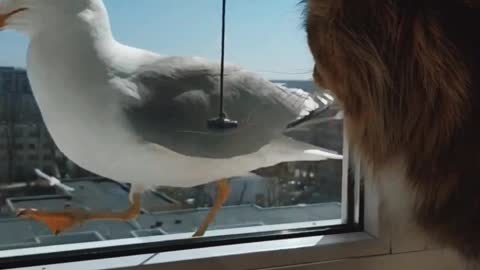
(222, 122)
(222, 64)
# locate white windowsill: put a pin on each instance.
(241, 256)
(163, 238)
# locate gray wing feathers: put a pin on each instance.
(178, 95)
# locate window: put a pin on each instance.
(19, 146)
(47, 145)
(18, 131)
(34, 134)
(281, 202)
(7, 82)
(32, 157)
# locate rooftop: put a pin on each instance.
(170, 217)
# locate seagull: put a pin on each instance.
(136, 116)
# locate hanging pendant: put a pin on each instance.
(222, 122)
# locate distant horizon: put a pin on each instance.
(290, 80)
(266, 37)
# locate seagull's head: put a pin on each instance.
(34, 16)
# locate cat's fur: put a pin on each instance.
(407, 73)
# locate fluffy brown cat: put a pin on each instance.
(407, 73)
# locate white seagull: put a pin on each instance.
(136, 116)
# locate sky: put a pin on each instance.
(264, 36)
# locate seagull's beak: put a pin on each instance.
(4, 17)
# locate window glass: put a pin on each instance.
(265, 37)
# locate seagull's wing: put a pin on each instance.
(177, 95)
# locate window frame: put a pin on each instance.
(332, 242)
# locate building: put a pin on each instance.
(25, 143)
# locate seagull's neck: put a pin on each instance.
(94, 26)
(86, 37)
(91, 25)
(85, 40)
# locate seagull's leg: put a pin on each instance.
(61, 221)
(223, 191)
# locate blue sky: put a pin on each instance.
(265, 36)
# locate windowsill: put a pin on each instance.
(279, 252)
(257, 255)
(163, 238)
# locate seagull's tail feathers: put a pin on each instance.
(298, 101)
(303, 102)
(286, 149)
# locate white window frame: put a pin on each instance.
(375, 241)
(261, 254)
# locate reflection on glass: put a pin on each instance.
(289, 195)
